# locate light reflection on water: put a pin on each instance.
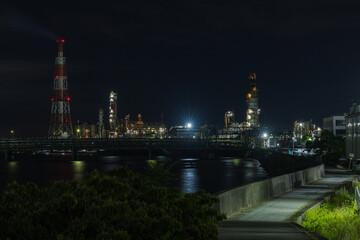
(78, 169)
(189, 176)
(194, 174)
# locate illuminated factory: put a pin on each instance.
(234, 129)
(113, 122)
(60, 119)
(229, 118)
(252, 99)
(61, 126)
(127, 128)
(139, 128)
(307, 128)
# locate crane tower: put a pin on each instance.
(60, 118)
(252, 99)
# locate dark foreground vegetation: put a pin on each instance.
(120, 204)
(277, 163)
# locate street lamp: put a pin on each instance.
(77, 133)
(12, 134)
(265, 136)
(294, 140)
(189, 125)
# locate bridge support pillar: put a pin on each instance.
(6, 156)
(149, 143)
(9, 155)
(150, 156)
(74, 155)
(208, 155)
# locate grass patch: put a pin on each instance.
(336, 219)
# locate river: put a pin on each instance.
(213, 175)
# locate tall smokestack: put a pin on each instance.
(60, 118)
(101, 123)
(252, 99)
(113, 121)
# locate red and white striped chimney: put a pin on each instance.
(60, 119)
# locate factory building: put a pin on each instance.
(113, 121)
(184, 132)
(307, 128)
(335, 125)
(229, 118)
(252, 99)
(141, 129)
(232, 128)
(86, 130)
(352, 122)
(101, 128)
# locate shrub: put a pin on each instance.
(120, 204)
(276, 163)
(336, 219)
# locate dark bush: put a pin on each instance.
(331, 159)
(276, 163)
(120, 204)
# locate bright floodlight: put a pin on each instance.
(189, 125)
(265, 135)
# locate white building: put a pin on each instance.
(352, 121)
(335, 124)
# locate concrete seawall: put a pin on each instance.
(232, 200)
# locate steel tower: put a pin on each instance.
(252, 99)
(60, 119)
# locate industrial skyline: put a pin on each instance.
(187, 60)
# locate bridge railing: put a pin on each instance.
(132, 143)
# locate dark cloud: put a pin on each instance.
(17, 21)
(19, 68)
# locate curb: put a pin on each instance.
(311, 234)
(296, 218)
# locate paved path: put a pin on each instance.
(267, 220)
(231, 230)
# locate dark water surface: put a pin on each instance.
(213, 175)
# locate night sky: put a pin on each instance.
(189, 60)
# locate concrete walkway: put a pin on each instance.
(267, 220)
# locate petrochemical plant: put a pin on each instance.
(234, 129)
(61, 125)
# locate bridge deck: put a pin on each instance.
(118, 143)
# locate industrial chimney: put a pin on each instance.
(60, 118)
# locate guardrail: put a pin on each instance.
(357, 198)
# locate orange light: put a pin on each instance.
(249, 95)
